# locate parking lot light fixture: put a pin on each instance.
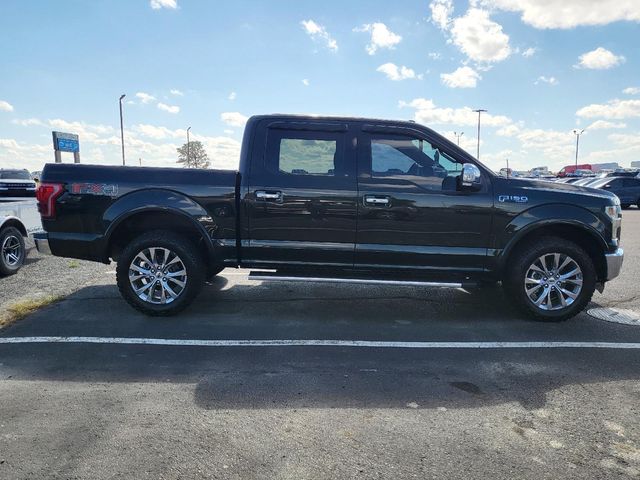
(577, 133)
(122, 127)
(188, 164)
(479, 111)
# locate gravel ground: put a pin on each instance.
(46, 275)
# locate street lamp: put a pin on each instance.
(122, 127)
(188, 165)
(458, 135)
(577, 133)
(479, 111)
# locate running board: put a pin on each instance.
(274, 277)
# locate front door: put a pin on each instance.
(302, 198)
(412, 214)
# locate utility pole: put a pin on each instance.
(577, 133)
(479, 111)
(458, 135)
(122, 128)
(188, 164)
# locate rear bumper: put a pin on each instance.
(614, 263)
(41, 239)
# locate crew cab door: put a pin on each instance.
(301, 201)
(412, 213)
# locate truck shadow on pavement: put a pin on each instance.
(315, 376)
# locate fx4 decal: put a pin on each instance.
(94, 189)
(512, 198)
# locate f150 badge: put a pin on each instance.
(512, 199)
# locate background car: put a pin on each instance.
(16, 183)
(627, 189)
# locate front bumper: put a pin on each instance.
(614, 263)
(41, 240)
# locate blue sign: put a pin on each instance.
(66, 142)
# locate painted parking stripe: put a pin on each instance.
(312, 343)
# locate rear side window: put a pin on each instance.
(304, 152)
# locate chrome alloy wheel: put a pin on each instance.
(553, 281)
(11, 251)
(157, 275)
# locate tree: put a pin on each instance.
(198, 157)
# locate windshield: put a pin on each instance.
(14, 175)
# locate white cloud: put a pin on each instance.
(145, 97)
(508, 131)
(549, 80)
(426, 112)
(158, 132)
(529, 52)
(604, 125)
(569, 13)
(234, 119)
(441, 11)
(158, 4)
(463, 77)
(232, 96)
(381, 37)
(319, 34)
(632, 91)
(228, 131)
(5, 106)
(600, 59)
(176, 92)
(28, 122)
(479, 37)
(168, 108)
(395, 72)
(434, 55)
(614, 109)
(305, 82)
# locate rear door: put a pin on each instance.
(301, 203)
(411, 214)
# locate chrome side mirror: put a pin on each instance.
(471, 177)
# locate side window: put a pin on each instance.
(413, 159)
(631, 182)
(304, 152)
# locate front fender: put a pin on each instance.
(157, 200)
(544, 216)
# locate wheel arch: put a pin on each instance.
(14, 222)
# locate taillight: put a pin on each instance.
(46, 195)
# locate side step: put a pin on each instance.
(276, 277)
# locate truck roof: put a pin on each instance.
(334, 118)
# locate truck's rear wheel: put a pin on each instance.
(552, 279)
(160, 273)
(12, 250)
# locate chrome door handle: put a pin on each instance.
(370, 200)
(263, 195)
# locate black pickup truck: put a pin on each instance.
(339, 200)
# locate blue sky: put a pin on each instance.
(540, 73)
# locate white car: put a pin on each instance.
(18, 221)
(16, 183)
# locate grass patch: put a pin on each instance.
(73, 264)
(19, 310)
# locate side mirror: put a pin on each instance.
(471, 177)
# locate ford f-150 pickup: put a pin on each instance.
(340, 200)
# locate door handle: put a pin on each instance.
(264, 195)
(375, 200)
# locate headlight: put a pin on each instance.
(613, 212)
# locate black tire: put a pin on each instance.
(523, 259)
(12, 250)
(178, 245)
(213, 271)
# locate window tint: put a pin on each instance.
(15, 175)
(307, 157)
(631, 182)
(615, 183)
(414, 159)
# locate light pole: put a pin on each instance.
(479, 111)
(188, 165)
(577, 133)
(458, 135)
(122, 127)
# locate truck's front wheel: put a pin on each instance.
(160, 273)
(552, 279)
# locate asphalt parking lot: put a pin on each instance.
(277, 380)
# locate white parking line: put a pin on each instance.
(314, 343)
